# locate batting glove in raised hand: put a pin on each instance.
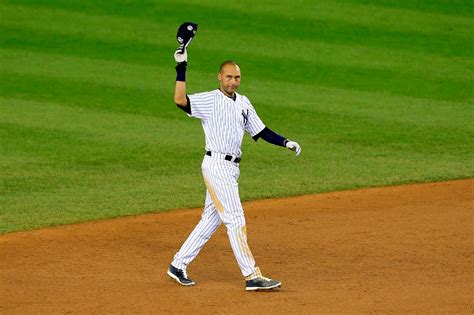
(181, 57)
(293, 146)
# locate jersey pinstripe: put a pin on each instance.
(224, 120)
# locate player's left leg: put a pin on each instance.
(221, 182)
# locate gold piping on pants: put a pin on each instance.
(242, 236)
(214, 198)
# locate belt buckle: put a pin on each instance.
(231, 158)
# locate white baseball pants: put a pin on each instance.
(222, 205)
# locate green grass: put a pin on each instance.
(376, 92)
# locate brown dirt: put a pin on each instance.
(384, 250)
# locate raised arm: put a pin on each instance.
(180, 87)
(180, 93)
(186, 32)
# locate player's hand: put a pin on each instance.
(293, 146)
(181, 57)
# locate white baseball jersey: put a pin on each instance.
(224, 122)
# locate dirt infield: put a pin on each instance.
(385, 250)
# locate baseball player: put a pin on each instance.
(225, 116)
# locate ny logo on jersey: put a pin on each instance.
(246, 116)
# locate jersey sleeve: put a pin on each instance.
(254, 124)
(202, 105)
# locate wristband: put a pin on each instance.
(181, 71)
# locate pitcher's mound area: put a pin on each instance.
(386, 250)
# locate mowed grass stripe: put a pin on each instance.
(125, 36)
(86, 94)
(155, 103)
(87, 25)
(332, 127)
(430, 134)
(364, 79)
(370, 15)
(325, 31)
(101, 71)
(157, 100)
(390, 133)
(80, 150)
(264, 95)
(132, 52)
(346, 128)
(159, 54)
(375, 105)
(62, 137)
(453, 7)
(59, 161)
(106, 126)
(356, 13)
(130, 30)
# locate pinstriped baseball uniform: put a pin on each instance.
(224, 121)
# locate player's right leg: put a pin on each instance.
(203, 231)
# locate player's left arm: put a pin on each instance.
(272, 137)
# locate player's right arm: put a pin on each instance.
(180, 97)
(202, 103)
(180, 94)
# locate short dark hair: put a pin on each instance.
(228, 62)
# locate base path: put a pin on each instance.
(404, 249)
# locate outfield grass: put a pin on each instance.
(376, 92)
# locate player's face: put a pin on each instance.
(229, 79)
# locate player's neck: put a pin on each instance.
(233, 96)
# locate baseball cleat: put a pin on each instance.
(262, 284)
(179, 276)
